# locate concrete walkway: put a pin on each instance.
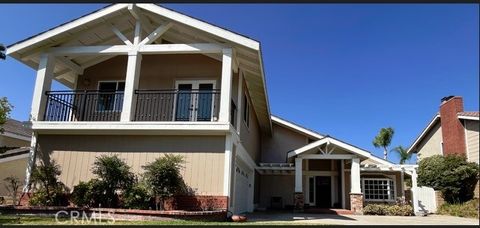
(300, 218)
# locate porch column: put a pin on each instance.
(298, 199)
(416, 208)
(131, 84)
(356, 196)
(228, 169)
(342, 177)
(43, 83)
(224, 113)
(239, 101)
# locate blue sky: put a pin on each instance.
(346, 70)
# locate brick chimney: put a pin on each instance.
(453, 132)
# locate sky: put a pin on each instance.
(345, 70)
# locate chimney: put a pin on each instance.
(453, 132)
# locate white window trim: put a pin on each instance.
(195, 82)
(380, 179)
(115, 101)
(247, 107)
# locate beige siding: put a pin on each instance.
(75, 154)
(157, 71)
(250, 136)
(431, 143)
(12, 142)
(472, 138)
(276, 186)
(283, 140)
(16, 168)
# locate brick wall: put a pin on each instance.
(453, 132)
(196, 203)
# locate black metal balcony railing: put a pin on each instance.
(177, 105)
(89, 105)
(151, 105)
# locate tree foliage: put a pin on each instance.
(114, 175)
(49, 190)
(2, 50)
(402, 152)
(383, 140)
(5, 109)
(163, 175)
(451, 174)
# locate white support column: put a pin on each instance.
(226, 86)
(131, 84)
(239, 101)
(416, 208)
(402, 182)
(31, 162)
(227, 174)
(43, 83)
(355, 176)
(298, 175)
(342, 174)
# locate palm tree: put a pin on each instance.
(2, 49)
(404, 155)
(383, 140)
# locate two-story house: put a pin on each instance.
(144, 80)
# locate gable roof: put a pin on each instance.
(296, 127)
(17, 128)
(437, 118)
(14, 154)
(95, 29)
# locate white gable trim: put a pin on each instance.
(424, 132)
(327, 139)
(469, 118)
(296, 127)
(64, 28)
(214, 30)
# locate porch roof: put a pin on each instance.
(102, 28)
(328, 140)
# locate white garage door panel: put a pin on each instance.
(242, 188)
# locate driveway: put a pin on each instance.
(300, 218)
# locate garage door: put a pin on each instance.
(242, 187)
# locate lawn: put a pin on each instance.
(48, 220)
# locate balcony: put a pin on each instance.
(150, 105)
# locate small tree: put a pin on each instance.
(5, 109)
(12, 184)
(451, 174)
(383, 140)
(163, 176)
(51, 191)
(403, 153)
(115, 175)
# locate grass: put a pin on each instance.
(469, 209)
(49, 220)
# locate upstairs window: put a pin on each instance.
(246, 110)
(110, 95)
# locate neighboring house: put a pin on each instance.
(451, 131)
(145, 80)
(14, 148)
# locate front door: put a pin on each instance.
(323, 188)
(194, 100)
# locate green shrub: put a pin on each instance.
(137, 197)
(468, 209)
(90, 194)
(451, 174)
(114, 176)
(386, 209)
(163, 176)
(50, 192)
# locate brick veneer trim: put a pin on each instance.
(453, 132)
(356, 203)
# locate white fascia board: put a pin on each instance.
(136, 127)
(296, 127)
(469, 118)
(424, 132)
(64, 28)
(214, 30)
(306, 147)
(15, 136)
(13, 158)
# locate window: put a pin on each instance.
(110, 96)
(246, 110)
(378, 189)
